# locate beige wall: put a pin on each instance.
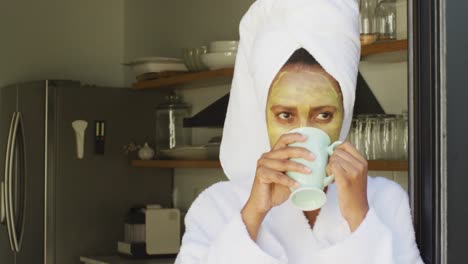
(62, 39)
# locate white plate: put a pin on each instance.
(186, 153)
(220, 60)
(152, 59)
(141, 66)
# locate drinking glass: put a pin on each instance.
(372, 138)
(354, 135)
(386, 20)
(368, 20)
(405, 136)
(388, 144)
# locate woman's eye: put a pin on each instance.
(285, 115)
(325, 116)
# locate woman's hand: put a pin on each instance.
(350, 171)
(271, 184)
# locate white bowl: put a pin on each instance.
(223, 46)
(219, 60)
(186, 153)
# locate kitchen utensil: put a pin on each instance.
(79, 126)
(309, 195)
(219, 60)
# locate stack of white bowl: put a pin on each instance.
(221, 54)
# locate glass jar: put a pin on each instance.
(170, 132)
(368, 21)
(386, 18)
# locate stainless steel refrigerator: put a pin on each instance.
(54, 206)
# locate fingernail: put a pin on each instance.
(307, 169)
(311, 155)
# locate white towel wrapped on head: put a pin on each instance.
(270, 32)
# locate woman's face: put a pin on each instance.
(303, 95)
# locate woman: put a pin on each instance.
(296, 66)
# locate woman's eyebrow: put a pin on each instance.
(283, 108)
(323, 107)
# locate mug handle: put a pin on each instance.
(327, 180)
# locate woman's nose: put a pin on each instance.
(307, 123)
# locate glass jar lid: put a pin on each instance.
(172, 101)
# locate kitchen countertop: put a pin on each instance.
(121, 260)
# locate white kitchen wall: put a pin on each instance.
(163, 28)
(62, 39)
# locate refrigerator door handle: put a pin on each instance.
(10, 187)
(23, 180)
(2, 203)
(7, 182)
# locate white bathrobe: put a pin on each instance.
(215, 234)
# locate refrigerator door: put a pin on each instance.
(8, 99)
(31, 105)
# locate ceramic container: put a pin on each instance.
(222, 60)
(146, 152)
(223, 46)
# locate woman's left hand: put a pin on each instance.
(350, 171)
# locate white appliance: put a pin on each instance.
(162, 234)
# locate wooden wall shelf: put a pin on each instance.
(374, 165)
(176, 163)
(185, 78)
(384, 47)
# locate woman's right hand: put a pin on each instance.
(271, 184)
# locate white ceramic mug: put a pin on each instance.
(309, 195)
